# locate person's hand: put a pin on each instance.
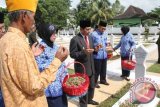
(108, 44)
(99, 46)
(62, 53)
(88, 51)
(37, 49)
(131, 50)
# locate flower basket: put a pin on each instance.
(76, 84)
(128, 64)
(109, 49)
(109, 54)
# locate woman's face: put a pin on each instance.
(53, 37)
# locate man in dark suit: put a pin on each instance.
(158, 44)
(81, 49)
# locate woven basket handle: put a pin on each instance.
(130, 55)
(76, 62)
(114, 50)
(71, 64)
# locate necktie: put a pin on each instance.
(86, 40)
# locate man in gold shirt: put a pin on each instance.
(21, 82)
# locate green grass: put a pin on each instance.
(128, 104)
(158, 104)
(70, 71)
(158, 93)
(154, 68)
(114, 98)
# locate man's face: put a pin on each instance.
(86, 31)
(2, 29)
(29, 22)
(101, 28)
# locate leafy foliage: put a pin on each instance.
(117, 8)
(97, 10)
(6, 20)
(53, 11)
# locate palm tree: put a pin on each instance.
(156, 14)
(100, 10)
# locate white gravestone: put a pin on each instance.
(140, 54)
(112, 40)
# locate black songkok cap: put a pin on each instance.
(85, 23)
(103, 23)
(1, 17)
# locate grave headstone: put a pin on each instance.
(140, 54)
(112, 40)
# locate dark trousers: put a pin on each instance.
(83, 101)
(158, 53)
(124, 71)
(100, 69)
(1, 100)
(60, 101)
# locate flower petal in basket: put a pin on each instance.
(75, 84)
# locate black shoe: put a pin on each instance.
(126, 78)
(122, 76)
(97, 86)
(105, 83)
(93, 102)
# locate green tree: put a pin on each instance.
(95, 10)
(117, 8)
(81, 12)
(6, 20)
(152, 17)
(155, 14)
(53, 11)
(100, 10)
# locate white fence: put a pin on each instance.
(153, 30)
(135, 30)
(114, 33)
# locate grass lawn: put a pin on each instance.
(114, 98)
(158, 104)
(70, 71)
(154, 68)
(158, 93)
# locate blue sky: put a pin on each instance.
(146, 5)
